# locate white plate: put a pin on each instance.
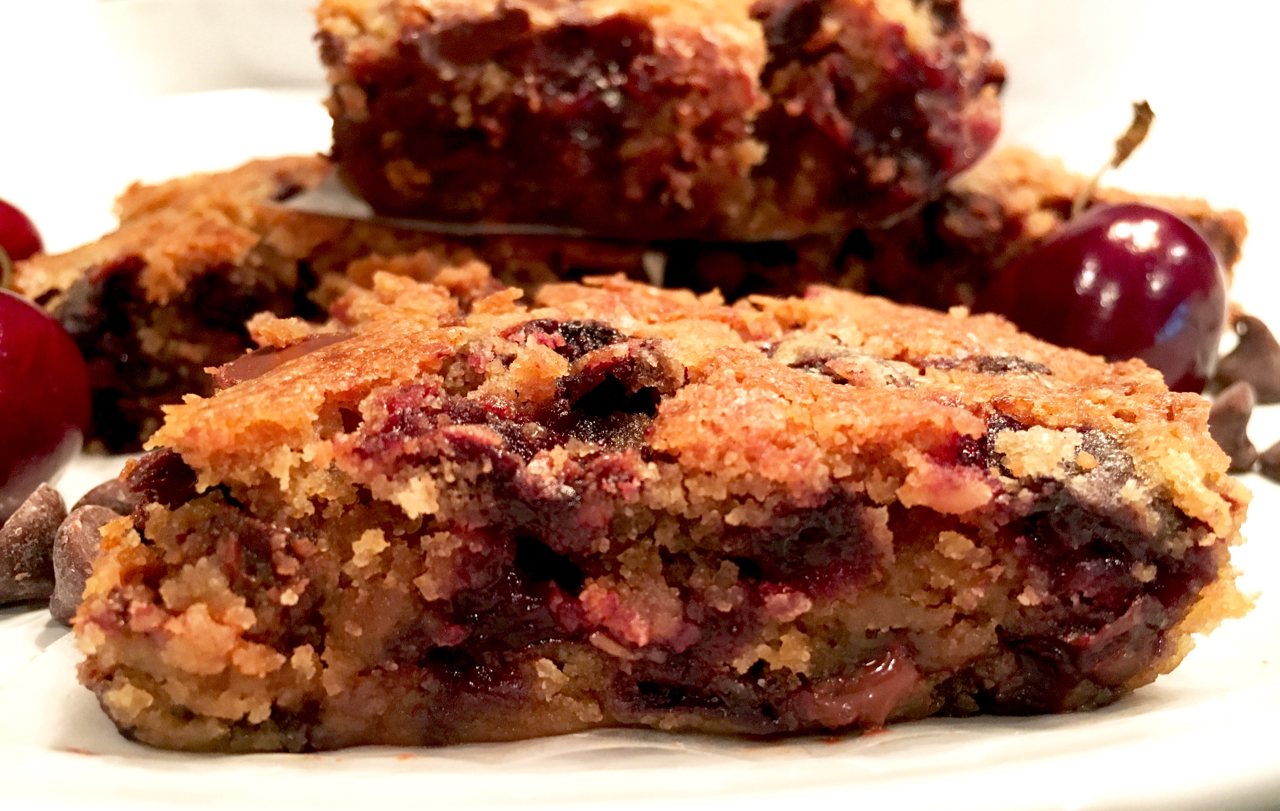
(1202, 737)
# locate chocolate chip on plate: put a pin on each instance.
(1269, 462)
(1229, 422)
(74, 549)
(26, 543)
(1256, 360)
(114, 495)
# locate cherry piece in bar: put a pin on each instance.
(44, 399)
(18, 235)
(1123, 281)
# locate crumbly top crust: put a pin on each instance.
(373, 26)
(183, 226)
(377, 23)
(767, 397)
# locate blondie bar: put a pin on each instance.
(445, 516)
(729, 120)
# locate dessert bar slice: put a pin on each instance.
(732, 120)
(447, 517)
(156, 302)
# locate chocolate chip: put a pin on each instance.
(1228, 424)
(161, 476)
(114, 495)
(1269, 462)
(75, 547)
(26, 541)
(1256, 360)
(255, 364)
(989, 364)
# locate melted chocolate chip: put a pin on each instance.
(1006, 364)
(817, 366)
(87, 308)
(824, 550)
(286, 189)
(261, 361)
(583, 337)
(990, 365)
(1032, 675)
(641, 366)
(162, 476)
(980, 451)
(570, 339)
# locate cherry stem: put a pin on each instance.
(1139, 127)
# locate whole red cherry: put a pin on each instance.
(44, 399)
(18, 235)
(1122, 281)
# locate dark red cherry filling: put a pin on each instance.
(1122, 281)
